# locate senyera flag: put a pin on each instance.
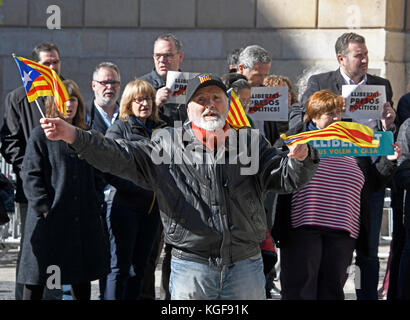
(39, 80)
(236, 115)
(356, 133)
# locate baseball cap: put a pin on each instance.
(201, 81)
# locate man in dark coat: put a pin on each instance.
(352, 55)
(210, 198)
(101, 113)
(168, 55)
(20, 118)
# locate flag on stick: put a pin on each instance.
(356, 133)
(39, 80)
(236, 115)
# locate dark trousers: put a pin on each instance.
(397, 244)
(404, 270)
(368, 263)
(314, 263)
(132, 235)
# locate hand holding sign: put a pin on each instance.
(397, 152)
(388, 116)
(162, 96)
(364, 101)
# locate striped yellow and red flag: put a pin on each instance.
(39, 80)
(236, 115)
(356, 133)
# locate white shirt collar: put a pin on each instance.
(348, 80)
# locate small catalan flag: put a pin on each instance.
(356, 133)
(204, 78)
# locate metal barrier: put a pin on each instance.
(10, 233)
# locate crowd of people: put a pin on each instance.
(106, 188)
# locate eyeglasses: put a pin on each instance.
(140, 100)
(167, 56)
(114, 83)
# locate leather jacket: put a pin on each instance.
(211, 212)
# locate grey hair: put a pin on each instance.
(302, 82)
(240, 84)
(170, 37)
(343, 42)
(106, 64)
(252, 55)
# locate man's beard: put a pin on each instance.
(211, 125)
(108, 102)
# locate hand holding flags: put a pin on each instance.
(39, 80)
(236, 115)
(356, 133)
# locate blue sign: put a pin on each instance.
(338, 148)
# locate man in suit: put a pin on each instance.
(103, 111)
(352, 55)
(100, 115)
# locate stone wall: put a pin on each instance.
(298, 33)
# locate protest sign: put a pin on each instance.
(269, 103)
(364, 101)
(337, 148)
(177, 82)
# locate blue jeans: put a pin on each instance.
(132, 236)
(369, 263)
(191, 280)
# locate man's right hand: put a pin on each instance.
(162, 96)
(58, 129)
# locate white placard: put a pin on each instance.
(177, 82)
(269, 103)
(364, 101)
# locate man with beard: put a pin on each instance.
(210, 201)
(101, 114)
(103, 111)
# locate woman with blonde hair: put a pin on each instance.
(134, 217)
(64, 227)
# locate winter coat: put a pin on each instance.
(128, 194)
(71, 236)
(211, 211)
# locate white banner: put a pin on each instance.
(364, 101)
(177, 82)
(269, 103)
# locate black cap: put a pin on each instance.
(201, 81)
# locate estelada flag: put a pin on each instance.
(356, 133)
(39, 80)
(236, 115)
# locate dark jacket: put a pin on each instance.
(127, 193)
(402, 177)
(94, 119)
(209, 210)
(21, 117)
(376, 177)
(403, 109)
(169, 112)
(71, 237)
(332, 81)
